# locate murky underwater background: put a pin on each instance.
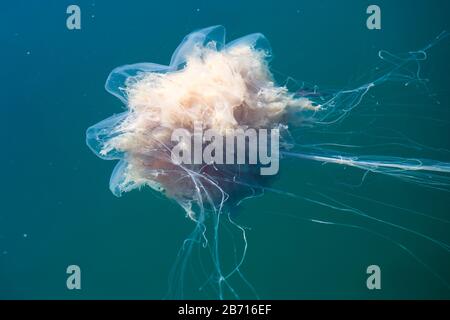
(56, 208)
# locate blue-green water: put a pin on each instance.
(57, 210)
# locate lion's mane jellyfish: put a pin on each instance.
(230, 86)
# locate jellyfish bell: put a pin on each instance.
(222, 86)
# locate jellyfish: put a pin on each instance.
(230, 86)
